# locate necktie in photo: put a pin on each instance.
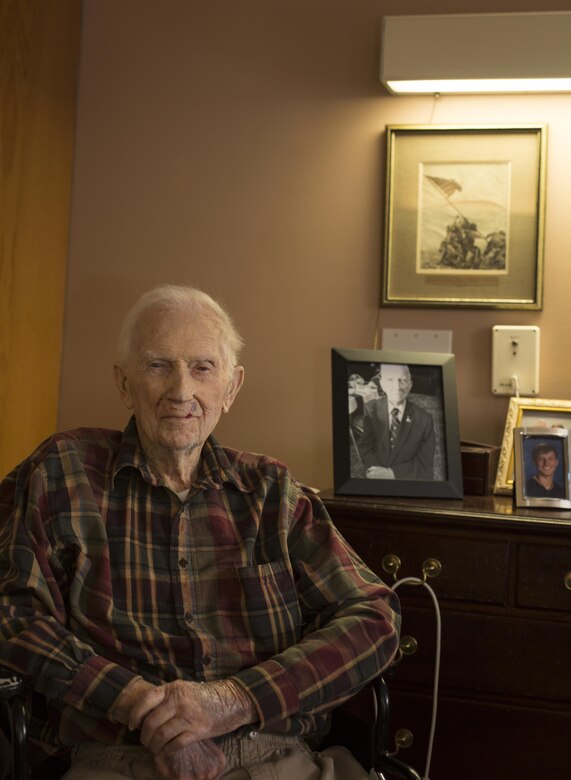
(394, 427)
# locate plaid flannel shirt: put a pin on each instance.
(106, 574)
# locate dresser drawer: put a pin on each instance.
(472, 570)
(482, 740)
(488, 654)
(544, 577)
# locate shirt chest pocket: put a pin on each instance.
(272, 609)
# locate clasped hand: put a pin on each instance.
(177, 721)
(380, 472)
(178, 713)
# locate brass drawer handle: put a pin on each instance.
(403, 739)
(567, 580)
(391, 564)
(431, 568)
(408, 645)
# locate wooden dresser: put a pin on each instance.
(505, 595)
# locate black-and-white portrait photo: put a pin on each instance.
(395, 424)
(396, 421)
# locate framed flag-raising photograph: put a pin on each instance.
(464, 216)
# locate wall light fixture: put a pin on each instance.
(480, 53)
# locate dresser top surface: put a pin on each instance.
(491, 509)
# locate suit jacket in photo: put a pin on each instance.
(412, 456)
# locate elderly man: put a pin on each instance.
(398, 440)
(179, 609)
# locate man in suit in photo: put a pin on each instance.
(398, 440)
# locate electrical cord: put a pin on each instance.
(417, 581)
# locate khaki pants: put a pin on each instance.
(251, 757)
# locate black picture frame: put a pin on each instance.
(528, 493)
(433, 391)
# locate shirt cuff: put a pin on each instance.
(273, 690)
(96, 686)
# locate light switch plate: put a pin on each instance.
(515, 360)
(412, 340)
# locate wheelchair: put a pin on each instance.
(367, 739)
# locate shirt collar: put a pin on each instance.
(214, 470)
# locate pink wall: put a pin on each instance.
(238, 146)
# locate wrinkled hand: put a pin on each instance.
(197, 761)
(194, 761)
(177, 714)
(380, 472)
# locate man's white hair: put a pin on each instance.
(172, 297)
(397, 365)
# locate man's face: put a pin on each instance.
(395, 382)
(356, 382)
(176, 381)
(546, 463)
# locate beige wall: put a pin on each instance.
(239, 146)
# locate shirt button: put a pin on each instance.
(253, 734)
(188, 616)
(183, 563)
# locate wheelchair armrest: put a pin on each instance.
(383, 761)
(362, 725)
(386, 763)
(13, 712)
(10, 686)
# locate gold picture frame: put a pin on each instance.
(546, 413)
(464, 216)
